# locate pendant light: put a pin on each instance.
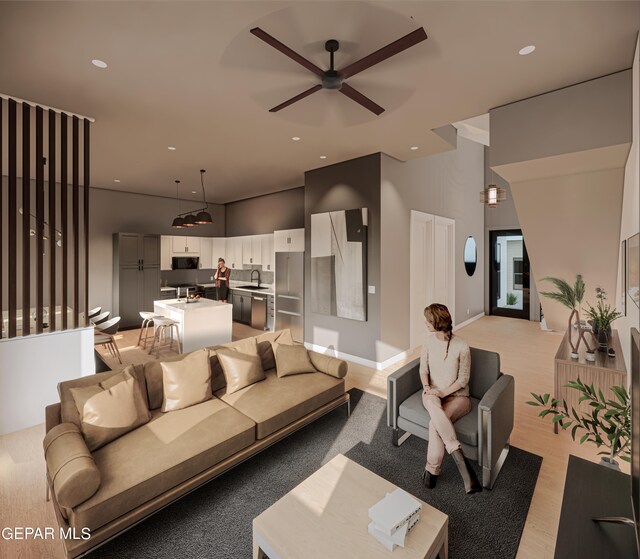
(203, 217)
(178, 222)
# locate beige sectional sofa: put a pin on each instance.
(119, 484)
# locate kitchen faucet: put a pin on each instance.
(257, 272)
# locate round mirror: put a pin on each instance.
(470, 256)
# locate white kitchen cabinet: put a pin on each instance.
(165, 252)
(252, 250)
(234, 252)
(268, 255)
(206, 254)
(219, 250)
(186, 245)
(289, 240)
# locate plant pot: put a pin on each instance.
(603, 337)
(590, 356)
(609, 463)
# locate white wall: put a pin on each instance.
(448, 185)
(31, 368)
(630, 223)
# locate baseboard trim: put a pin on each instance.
(467, 322)
(378, 365)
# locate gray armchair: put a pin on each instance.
(483, 433)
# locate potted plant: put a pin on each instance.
(608, 424)
(602, 315)
(571, 297)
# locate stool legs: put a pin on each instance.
(160, 335)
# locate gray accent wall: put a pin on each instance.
(448, 185)
(344, 186)
(266, 214)
(114, 211)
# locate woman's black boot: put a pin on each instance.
(471, 483)
(429, 480)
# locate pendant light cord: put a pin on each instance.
(204, 200)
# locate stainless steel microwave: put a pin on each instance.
(184, 263)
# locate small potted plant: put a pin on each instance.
(602, 315)
(608, 424)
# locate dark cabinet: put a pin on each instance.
(136, 271)
(241, 307)
(211, 293)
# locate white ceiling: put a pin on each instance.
(190, 75)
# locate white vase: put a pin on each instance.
(609, 463)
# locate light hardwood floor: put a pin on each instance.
(526, 353)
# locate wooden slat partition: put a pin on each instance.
(75, 187)
(85, 182)
(63, 218)
(39, 225)
(51, 162)
(12, 211)
(32, 285)
(26, 219)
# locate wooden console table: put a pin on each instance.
(594, 491)
(603, 373)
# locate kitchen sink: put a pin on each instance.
(252, 287)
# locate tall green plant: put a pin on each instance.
(569, 296)
(608, 424)
(602, 314)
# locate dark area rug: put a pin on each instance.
(215, 520)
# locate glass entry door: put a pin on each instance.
(509, 274)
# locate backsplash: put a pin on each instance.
(204, 276)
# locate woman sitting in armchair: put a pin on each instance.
(445, 364)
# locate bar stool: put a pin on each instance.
(148, 319)
(162, 324)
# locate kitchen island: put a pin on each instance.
(200, 324)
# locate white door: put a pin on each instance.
(281, 241)
(165, 252)
(179, 245)
(296, 241)
(206, 253)
(432, 273)
(267, 252)
(219, 250)
(256, 249)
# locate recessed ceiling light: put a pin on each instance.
(414, 148)
(116, 180)
(296, 138)
(99, 63)
(526, 50)
(323, 157)
(171, 148)
(193, 192)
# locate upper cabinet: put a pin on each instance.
(234, 252)
(186, 245)
(165, 252)
(206, 254)
(268, 256)
(252, 250)
(289, 240)
(219, 250)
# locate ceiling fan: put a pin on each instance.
(335, 79)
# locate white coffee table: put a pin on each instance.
(327, 516)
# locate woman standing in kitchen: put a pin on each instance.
(222, 280)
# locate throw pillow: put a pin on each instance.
(110, 408)
(292, 360)
(242, 366)
(186, 382)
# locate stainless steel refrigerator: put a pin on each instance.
(290, 293)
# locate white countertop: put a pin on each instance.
(167, 288)
(182, 305)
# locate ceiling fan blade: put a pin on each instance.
(361, 99)
(284, 49)
(296, 98)
(382, 54)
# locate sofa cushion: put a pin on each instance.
(466, 427)
(329, 365)
(265, 351)
(187, 382)
(110, 408)
(160, 455)
(276, 402)
(292, 360)
(241, 365)
(69, 410)
(70, 466)
(153, 376)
